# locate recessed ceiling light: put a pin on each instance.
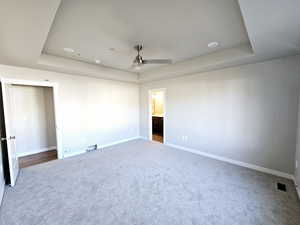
(70, 50)
(98, 61)
(213, 44)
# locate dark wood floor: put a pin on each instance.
(38, 158)
(158, 137)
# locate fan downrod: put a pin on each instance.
(138, 48)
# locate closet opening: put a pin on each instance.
(30, 130)
(33, 115)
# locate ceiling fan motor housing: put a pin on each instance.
(138, 59)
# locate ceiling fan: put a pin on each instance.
(139, 61)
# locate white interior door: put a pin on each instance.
(10, 133)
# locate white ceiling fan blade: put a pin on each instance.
(157, 61)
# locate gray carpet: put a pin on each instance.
(146, 183)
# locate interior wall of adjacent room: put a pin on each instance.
(33, 117)
(90, 110)
(50, 115)
(157, 103)
(246, 113)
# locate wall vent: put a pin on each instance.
(92, 148)
(281, 187)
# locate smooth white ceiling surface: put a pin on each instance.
(174, 29)
(274, 31)
(273, 26)
(24, 26)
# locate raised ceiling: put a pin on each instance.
(108, 29)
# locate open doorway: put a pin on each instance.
(32, 134)
(157, 117)
(34, 124)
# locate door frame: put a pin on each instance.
(54, 86)
(150, 92)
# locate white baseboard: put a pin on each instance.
(235, 162)
(297, 187)
(118, 142)
(36, 151)
(144, 138)
(82, 151)
(73, 153)
(298, 191)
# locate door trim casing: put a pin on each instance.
(55, 88)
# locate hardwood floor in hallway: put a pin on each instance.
(38, 158)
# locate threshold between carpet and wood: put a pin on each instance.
(143, 182)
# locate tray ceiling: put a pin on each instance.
(107, 30)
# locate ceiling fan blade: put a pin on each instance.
(157, 61)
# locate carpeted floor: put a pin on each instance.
(146, 183)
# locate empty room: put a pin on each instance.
(150, 112)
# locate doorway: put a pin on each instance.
(30, 116)
(157, 115)
(33, 115)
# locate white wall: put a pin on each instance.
(247, 113)
(33, 117)
(50, 115)
(91, 111)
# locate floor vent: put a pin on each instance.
(281, 187)
(92, 148)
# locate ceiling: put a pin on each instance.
(108, 29)
(24, 28)
(34, 34)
